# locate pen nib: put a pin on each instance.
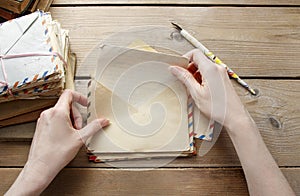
(176, 26)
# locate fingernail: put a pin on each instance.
(105, 122)
(174, 70)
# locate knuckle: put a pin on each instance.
(217, 69)
(45, 113)
(68, 92)
(45, 116)
(186, 76)
(58, 112)
(214, 68)
(53, 113)
(196, 51)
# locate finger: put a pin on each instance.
(187, 79)
(77, 118)
(192, 68)
(68, 97)
(189, 55)
(198, 77)
(93, 127)
(203, 63)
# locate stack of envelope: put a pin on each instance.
(35, 64)
(149, 109)
(10, 9)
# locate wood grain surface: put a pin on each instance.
(252, 41)
(257, 39)
(276, 111)
(214, 181)
(178, 2)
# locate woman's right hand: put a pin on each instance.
(215, 96)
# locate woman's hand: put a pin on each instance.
(217, 99)
(211, 90)
(55, 143)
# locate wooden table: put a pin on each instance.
(260, 39)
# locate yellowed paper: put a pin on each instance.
(147, 115)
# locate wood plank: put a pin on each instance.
(18, 107)
(276, 111)
(178, 2)
(218, 181)
(252, 41)
(23, 118)
(222, 155)
(21, 132)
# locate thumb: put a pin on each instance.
(92, 128)
(187, 79)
